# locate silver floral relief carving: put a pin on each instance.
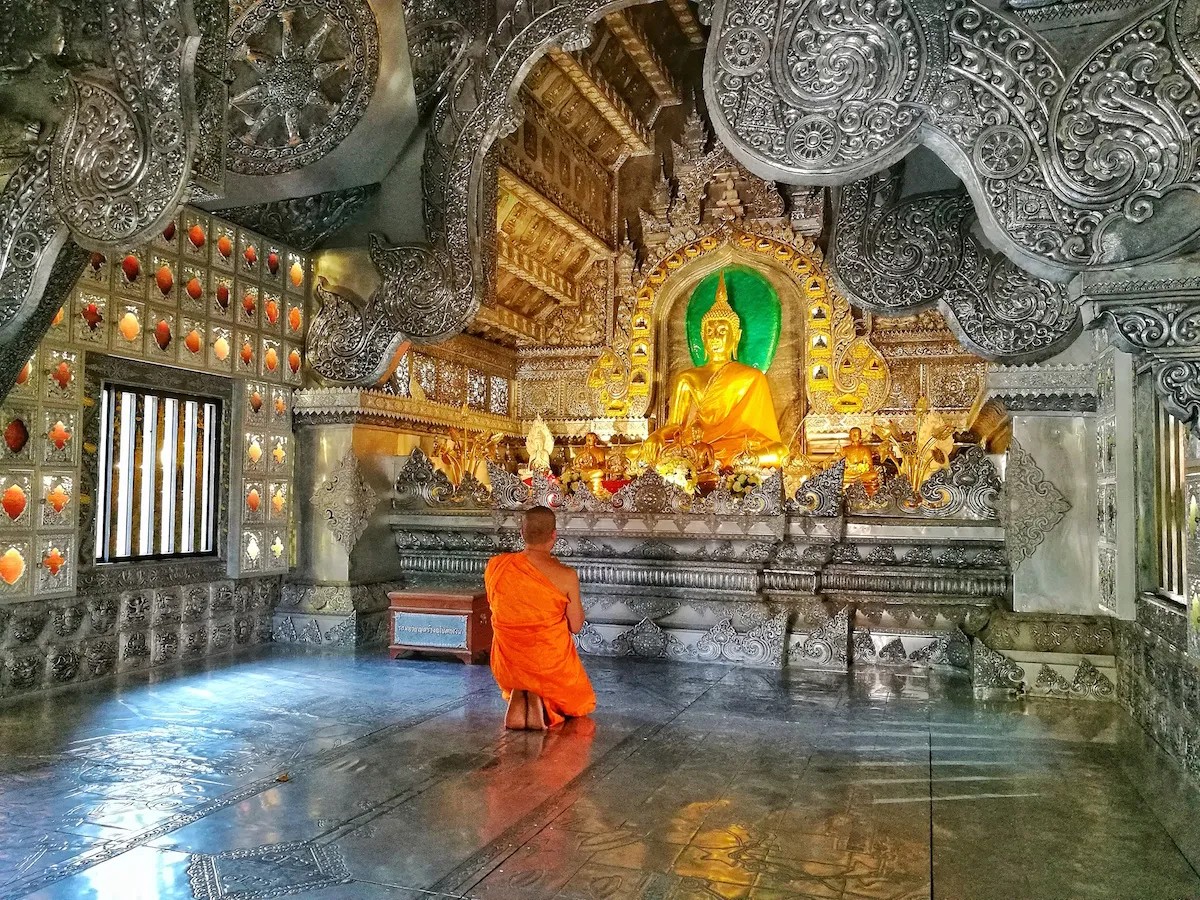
(762, 645)
(895, 256)
(1087, 683)
(1159, 321)
(826, 645)
(345, 502)
(969, 487)
(122, 158)
(1064, 165)
(820, 495)
(303, 222)
(354, 341)
(992, 671)
(1035, 505)
(303, 74)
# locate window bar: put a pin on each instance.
(124, 536)
(188, 535)
(167, 452)
(206, 499)
(149, 445)
(104, 473)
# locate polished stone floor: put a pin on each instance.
(334, 777)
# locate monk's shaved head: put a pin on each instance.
(537, 525)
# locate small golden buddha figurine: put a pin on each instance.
(616, 464)
(728, 401)
(590, 461)
(860, 463)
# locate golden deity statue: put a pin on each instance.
(860, 463)
(728, 401)
(590, 461)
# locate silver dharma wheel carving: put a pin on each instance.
(303, 74)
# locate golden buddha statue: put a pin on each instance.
(860, 463)
(728, 401)
(590, 461)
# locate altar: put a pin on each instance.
(764, 579)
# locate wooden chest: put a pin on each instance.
(449, 622)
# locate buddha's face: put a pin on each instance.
(720, 340)
(589, 440)
(856, 435)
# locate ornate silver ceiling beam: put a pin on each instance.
(894, 256)
(1069, 170)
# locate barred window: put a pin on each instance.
(159, 472)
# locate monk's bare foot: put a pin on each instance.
(518, 711)
(535, 715)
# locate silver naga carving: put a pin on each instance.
(439, 35)
(304, 71)
(1035, 505)
(1065, 165)
(345, 502)
(121, 160)
(895, 256)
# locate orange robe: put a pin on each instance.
(532, 647)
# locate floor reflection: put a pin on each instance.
(324, 776)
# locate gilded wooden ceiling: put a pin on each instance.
(559, 173)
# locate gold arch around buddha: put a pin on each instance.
(844, 372)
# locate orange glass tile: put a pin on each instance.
(12, 566)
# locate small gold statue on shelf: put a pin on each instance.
(616, 464)
(590, 461)
(797, 469)
(860, 463)
(729, 401)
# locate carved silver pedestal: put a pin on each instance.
(339, 615)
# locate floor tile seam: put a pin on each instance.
(54, 874)
(424, 892)
(473, 870)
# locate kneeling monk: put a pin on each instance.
(535, 610)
